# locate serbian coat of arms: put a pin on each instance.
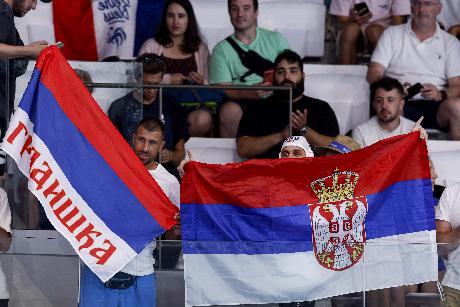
(337, 221)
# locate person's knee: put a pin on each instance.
(455, 30)
(199, 123)
(453, 107)
(373, 33)
(229, 112)
(350, 33)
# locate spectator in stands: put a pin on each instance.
(448, 235)
(387, 98)
(185, 54)
(134, 285)
(85, 77)
(15, 54)
(358, 27)
(265, 125)
(226, 66)
(420, 51)
(127, 111)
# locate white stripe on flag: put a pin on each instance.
(213, 279)
(122, 254)
(115, 28)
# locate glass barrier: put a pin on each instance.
(41, 269)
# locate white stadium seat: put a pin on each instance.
(344, 87)
(450, 14)
(446, 159)
(213, 150)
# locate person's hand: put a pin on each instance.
(182, 164)
(35, 48)
(177, 217)
(196, 77)
(165, 156)
(360, 19)
(418, 127)
(430, 92)
(299, 119)
(177, 78)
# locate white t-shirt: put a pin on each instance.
(448, 209)
(5, 223)
(408, 59)
(143, 263)
(370, 132)
(382, 10)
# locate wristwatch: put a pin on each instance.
(303, 130)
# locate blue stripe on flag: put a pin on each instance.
(227, 229)
(86, 170)
(148, 16)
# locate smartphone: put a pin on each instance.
(362, 8)
(414, 90)
(59, 44)
(268, 76)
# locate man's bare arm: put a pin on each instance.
(447, 237)
(453, 89)
(375, 72)
(5, 240)
(10, 52)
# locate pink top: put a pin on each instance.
(382, 10)
(201, 57)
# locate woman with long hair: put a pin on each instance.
(179, 42)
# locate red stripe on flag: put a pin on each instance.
(80, 107)
(287, 182)
(74, 26)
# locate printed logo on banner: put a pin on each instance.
(116, 13)
(338, 221)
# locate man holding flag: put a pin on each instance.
(59, 142)
(134, 285)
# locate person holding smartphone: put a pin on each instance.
(421, 52)
(362, 23)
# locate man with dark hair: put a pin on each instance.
(127, 111)
(387, 98)
(134, 285)
(421, 52)
(265, 125)
(227, 68)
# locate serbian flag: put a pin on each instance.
(94, 189)
(289, 230)
(97, 29)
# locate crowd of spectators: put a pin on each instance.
(414, 72)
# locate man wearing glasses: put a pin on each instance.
(420, 52)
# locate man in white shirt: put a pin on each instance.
(134, 285)
(420, 52)
(448, 234)
(387, 98)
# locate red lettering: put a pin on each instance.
(16, 132)
(86, 233)
(103, 254)
(45, 175)
(62, 207)
(51, 191)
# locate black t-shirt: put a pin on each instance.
(270, 116)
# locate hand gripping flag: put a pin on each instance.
(94, 189)
(289, 230)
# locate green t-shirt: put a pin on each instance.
(226, 67)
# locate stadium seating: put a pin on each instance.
(344, 87)
(450, 14)
(446, 159)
